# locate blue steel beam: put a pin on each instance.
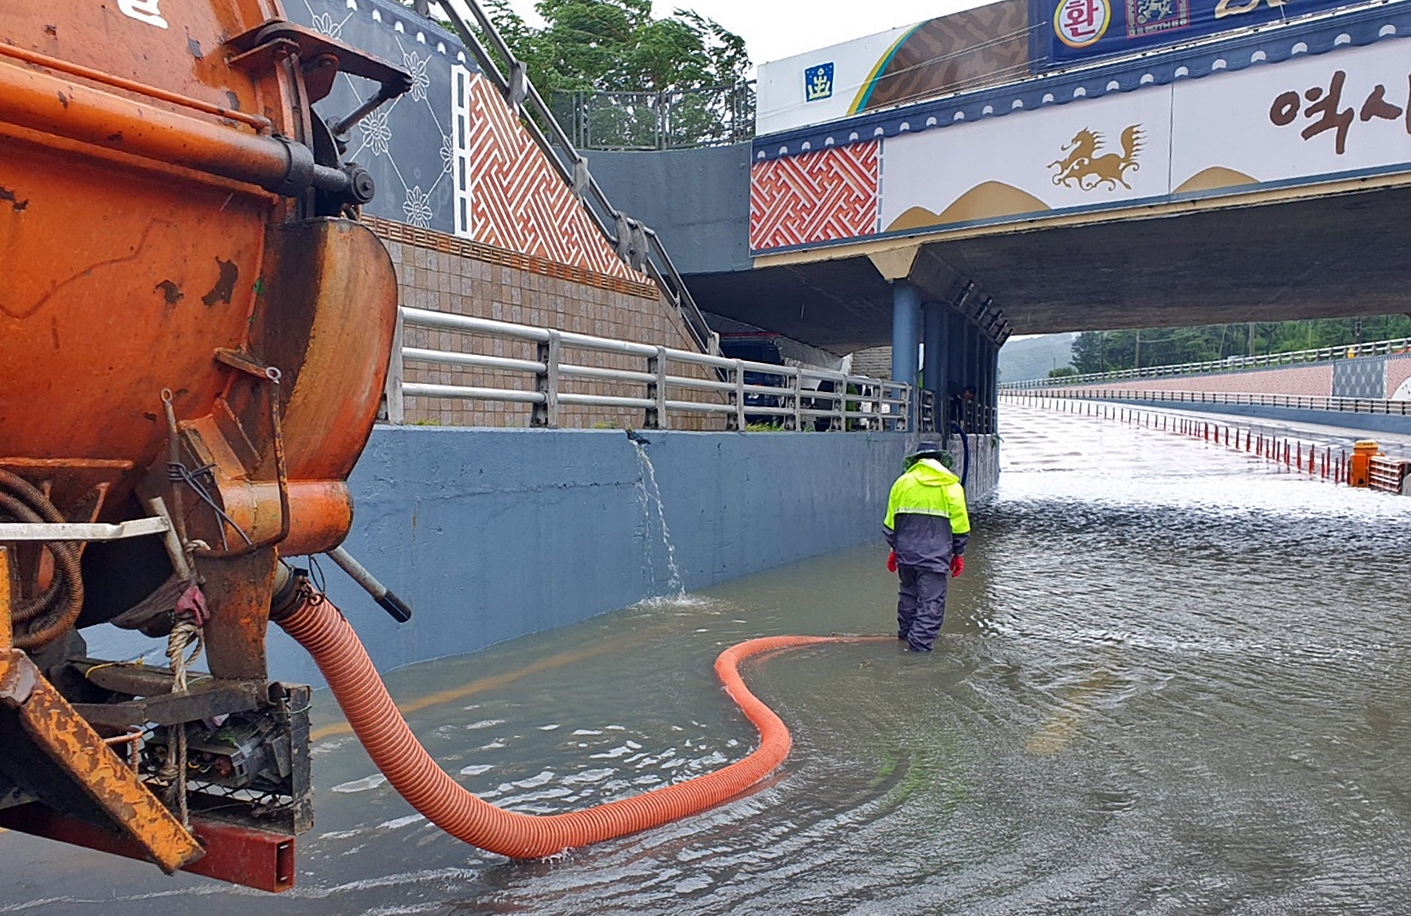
(906, 326)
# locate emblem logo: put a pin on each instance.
(1147, 17)
(1079, 23)
(818, 82)
(143, 11)
(1082, 168)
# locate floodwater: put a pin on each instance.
(1173, 679)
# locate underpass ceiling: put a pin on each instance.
(1321, 258)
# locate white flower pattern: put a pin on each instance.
(448, 153)
(323, 24)
(418, 208)
(421, 80)
(377, 134)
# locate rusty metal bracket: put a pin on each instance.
(239, 855)
(206, 701)
(259, 48)
(78, 752)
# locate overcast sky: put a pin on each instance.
(774, 29)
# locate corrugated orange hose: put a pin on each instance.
(319, 627)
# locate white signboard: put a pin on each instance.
(1110, 149)
(794, 93)
(1308, 120)
(1340, 112)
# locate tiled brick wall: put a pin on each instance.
(1398, 371)
(447, 274)
(1314, 379)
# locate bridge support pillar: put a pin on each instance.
(933, 371)
(906, 338)
(990, 392)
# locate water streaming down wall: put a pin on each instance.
(649, 497)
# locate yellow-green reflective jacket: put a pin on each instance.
(926, 520)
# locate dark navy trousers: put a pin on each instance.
(921, 606)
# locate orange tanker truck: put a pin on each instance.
(194, 333)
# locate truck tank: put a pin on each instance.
(194, 335)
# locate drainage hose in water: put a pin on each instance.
(319, 627)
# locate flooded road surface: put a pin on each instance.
(1173, 679)
(1337, 438)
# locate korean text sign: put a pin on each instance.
(1074, 30)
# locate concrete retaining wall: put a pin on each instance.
(983, 475)
(491, 534)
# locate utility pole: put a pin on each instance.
(1137, 360)
(1251, 338)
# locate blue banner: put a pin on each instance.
(1080, 30)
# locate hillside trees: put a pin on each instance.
(1102, 351)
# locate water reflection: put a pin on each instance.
(1172, 679)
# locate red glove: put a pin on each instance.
(892, 561)
(957, 566)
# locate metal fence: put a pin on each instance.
(1300, 401)
(746, 394)
(1231, 364)
(716, 116)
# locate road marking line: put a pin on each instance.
(1077, 703)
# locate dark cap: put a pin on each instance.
(927, 449)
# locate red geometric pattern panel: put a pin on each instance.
(518, 202)
(820, 196)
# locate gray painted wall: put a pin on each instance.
(697, 200)
(491, 534)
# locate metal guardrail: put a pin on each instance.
(635, 243)
(691, 119)
(1231, 364)
(1300, 401)
(748, 392)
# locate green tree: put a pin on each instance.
(616, 46)
(1104, 351)
(679, 77)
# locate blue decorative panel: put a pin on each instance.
(407, 143)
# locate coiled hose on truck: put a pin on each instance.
(320, 628)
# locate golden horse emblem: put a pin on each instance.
(1083, 168)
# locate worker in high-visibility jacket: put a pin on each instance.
(927, 528)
